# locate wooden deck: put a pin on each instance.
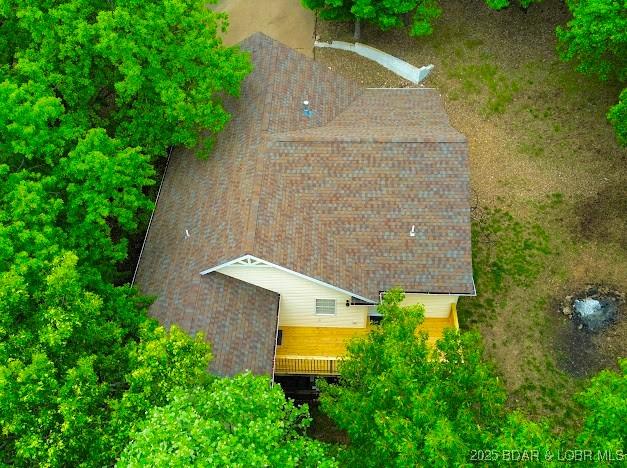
(317, 350)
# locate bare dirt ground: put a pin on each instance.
(536, 131)
(283, 20)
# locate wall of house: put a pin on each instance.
(436, 305)
(298, 297)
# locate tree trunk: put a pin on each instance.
(357, 34)
(407, 19)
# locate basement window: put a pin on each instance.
(325, 306)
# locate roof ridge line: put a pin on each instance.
(255, 194)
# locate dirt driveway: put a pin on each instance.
(284, 20)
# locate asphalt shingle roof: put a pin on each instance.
(240, 321)
(332, 196)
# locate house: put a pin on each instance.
(279, 246)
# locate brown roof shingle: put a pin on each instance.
(239, 319)
(332, 196)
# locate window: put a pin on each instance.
(325, 306)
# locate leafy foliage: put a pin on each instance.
(518, 433)
(596, 40)
(385, 14)
(61, 347)
(92, 91)
(501, 4)
(147, 72)
(404, 404)
(231, 422)
(605, 402)
(75, 205)
(391, 14)
(618, 118)
(159, 364)
(335, 10)
(78, 370)
(102, 183)
(169, 66)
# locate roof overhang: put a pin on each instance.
(252, 261)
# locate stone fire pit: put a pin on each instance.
(595, 309)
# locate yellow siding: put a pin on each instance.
(436, 305)
(298, 297)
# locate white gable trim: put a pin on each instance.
(251, 260)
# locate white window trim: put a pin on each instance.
(328, 314)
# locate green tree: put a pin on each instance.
(60, 345)
(170, 68)
(618, 118)
(161, 362)
(240, 421)
(78, 204)
(33, 130)
(151, 73)
(404, 404)
(78, 370)
(517, 433)
(385, 14)
(501, 4)
(595, 39)
(101, 183)
(91, 91)
(333, 10)
(417, 14)
(605, 404)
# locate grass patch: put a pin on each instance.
(506, 252)
(487, 83)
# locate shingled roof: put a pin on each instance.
(239, 319)
(332, 196)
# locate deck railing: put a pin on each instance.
(289, 364)
(306, 365)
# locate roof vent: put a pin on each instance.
(412, 233)
(307, 112)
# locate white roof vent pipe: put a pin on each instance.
(307, 112)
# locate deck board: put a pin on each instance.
(331, 342)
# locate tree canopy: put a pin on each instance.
(416, 14)
(149, 73)
(92, 93)
(405, 404)
(232, 422)
(595, 39)
(605, 404)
